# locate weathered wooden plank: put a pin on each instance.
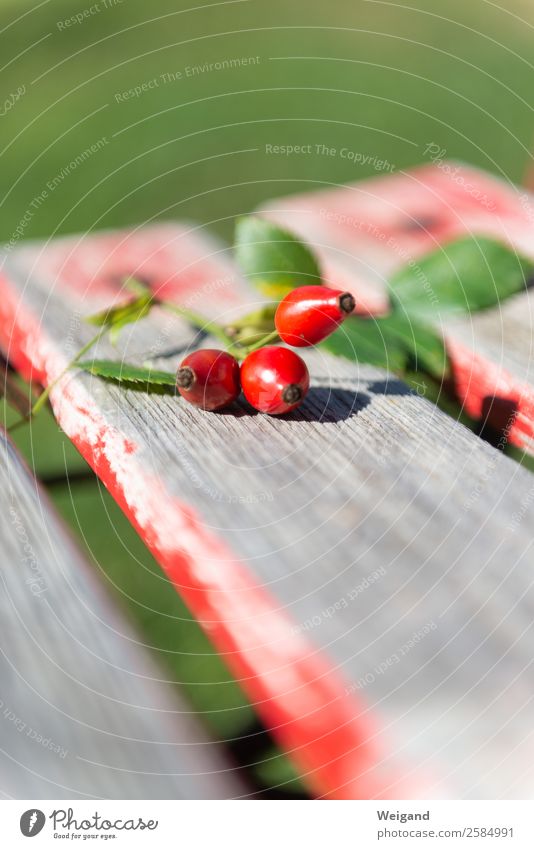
(365, 231)
(362, 563)
(83, 712)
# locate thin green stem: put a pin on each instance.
(43, 397)
(270, 337)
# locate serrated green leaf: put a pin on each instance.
(464, 276)
(125, 373)
(274, 259)
(393, 342)
(117, 317)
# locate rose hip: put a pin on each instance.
(209, 379)
(275, 380)
(308, 314)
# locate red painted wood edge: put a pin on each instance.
(491, 394)
(299, 694)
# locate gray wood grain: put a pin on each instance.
(399, 544)
(83, 711)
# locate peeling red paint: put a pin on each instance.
(486, 390)
(172, 258)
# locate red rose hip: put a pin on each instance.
(209, 379)
(274, 380)
(308, 314)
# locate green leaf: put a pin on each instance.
(124, 373)
(465, 276)
(275, 260)
(117, 317)
(393, 342)
(424, 347)
(367, 341)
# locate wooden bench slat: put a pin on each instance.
(362, 565)
(83, 712)
(365, 231)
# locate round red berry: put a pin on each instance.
(209, 379)
(309, 314)
(274, 380)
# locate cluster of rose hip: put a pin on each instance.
(273, 379)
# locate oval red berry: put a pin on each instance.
(309, 314)
(209, 379)
(275, 380)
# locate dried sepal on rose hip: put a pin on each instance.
(308, 314)
(274, 380)
(209, 379)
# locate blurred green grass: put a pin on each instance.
(380, 78)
